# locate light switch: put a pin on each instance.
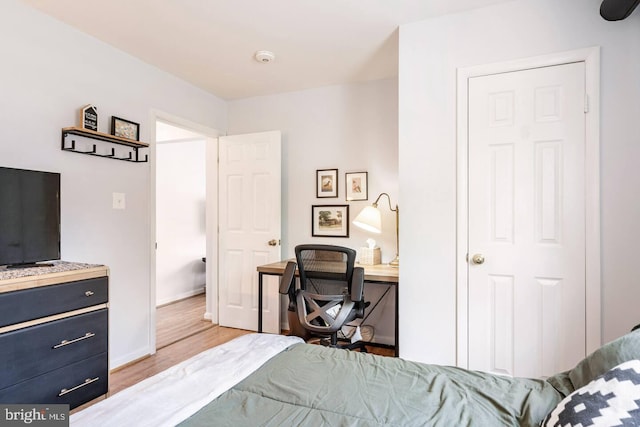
(118, 201)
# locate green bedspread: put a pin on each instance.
(313, 386)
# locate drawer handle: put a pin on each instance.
(67, 342)
(88, 293)
(86, 382)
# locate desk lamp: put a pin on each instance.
(370, 219)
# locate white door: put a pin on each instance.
(249, 235)
(527, 221)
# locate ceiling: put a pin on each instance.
(211, 43)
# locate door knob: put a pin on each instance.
(478, 259)
(273, 242)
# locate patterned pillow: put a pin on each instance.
(612, 399)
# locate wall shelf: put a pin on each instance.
(132, 154)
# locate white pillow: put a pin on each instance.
(612, 399)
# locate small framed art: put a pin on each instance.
(330, 220)
(356, 186)
(327, 183)
(89, 117)
(125, 129)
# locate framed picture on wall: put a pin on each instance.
(330, 220)
(125, 129)
(327, 183)
(356, 186)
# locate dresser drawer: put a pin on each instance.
(32, 351)
(74, 384)
(29, 304)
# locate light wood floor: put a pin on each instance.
(195, 339)
(180, 319)
(170, 355)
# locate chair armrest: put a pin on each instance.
(357, 284)
(288, 277)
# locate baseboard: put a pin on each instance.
(179, 297)
(115, 364)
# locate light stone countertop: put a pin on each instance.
(12, 279)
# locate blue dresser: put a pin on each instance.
(54, 334)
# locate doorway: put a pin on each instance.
(184, 292)
(180, 233)
(511, 321)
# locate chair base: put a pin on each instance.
(343, 344)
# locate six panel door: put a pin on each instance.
(527, 221)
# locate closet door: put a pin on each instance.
(526, 196)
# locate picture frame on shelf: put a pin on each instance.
(356, 186)
(326, 183)
(125, 128)
(330, 220)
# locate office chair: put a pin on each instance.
(328, 294)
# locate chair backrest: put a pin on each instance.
(323, 266)
(330, 290)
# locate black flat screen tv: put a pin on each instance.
(29, 216)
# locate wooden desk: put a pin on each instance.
(381, 273)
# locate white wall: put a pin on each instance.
(48, 72)
(352, 128)
(430, 53)
(180, 219)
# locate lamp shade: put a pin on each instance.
(369, 219)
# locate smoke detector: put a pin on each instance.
(264, 56)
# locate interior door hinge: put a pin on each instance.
(586, 103)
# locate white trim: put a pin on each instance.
(211, 137)
(179, 141)
(462, 215)
(592, 203)
(591, 58)
(213, 235)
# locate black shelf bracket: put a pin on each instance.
(133, 154)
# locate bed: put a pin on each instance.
(271, 380)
